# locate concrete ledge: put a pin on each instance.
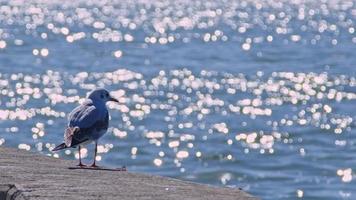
(25, 175)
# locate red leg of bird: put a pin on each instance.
(80, 158)
(96, 148)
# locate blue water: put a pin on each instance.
(252, 94)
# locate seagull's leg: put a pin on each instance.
(80, 158)
(96, 148)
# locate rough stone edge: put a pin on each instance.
(247, 195)
(14, 191)
(11, 192)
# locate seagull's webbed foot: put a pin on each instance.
(94, 166)
(81, 165)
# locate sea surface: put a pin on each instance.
(251, 94)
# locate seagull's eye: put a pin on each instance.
(107, 94)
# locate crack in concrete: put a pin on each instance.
(10, 192)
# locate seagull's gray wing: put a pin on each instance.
(89, 120)
(84, 116)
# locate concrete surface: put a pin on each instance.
(25, 175)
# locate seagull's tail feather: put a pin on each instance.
(59, 147)
(68, 135)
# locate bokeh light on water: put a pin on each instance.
(252, 94)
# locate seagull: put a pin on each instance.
(87, 123)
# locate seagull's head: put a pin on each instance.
(101, 95)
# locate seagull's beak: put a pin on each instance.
(113, 99)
